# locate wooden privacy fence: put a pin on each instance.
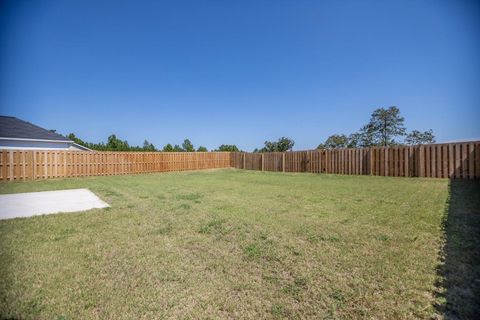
(450, 160)
(32, 165)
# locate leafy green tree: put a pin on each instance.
(177, 148)
(284, 144)
(417, 137)
(147, 146)
(384, 127)
(365, 138)
(355, 140)
(281, 145)
(168, 148)
(335, 141)
(228, 148)
(202, 149)
(115, 144)
(187, 146)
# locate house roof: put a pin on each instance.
(14, 128)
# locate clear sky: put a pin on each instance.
(239, 72)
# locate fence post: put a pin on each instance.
(308, 166)
(325, 156)
(422, 161)
(283, 161)
(10, 169)
(34, 165)
(45, 165)
(24, 159)
(55, 166)
(65, 171)
(263, 162)
(244, 156)
(371, 159)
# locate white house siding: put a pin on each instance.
(38, 145)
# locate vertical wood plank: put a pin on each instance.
(387, 161)
(24, 165)
(451, 161)
(477, 160)
(458, 163)
(10, 166)
(471, 161)
(406, 157)
(464, 161)
(422, 161)
(445, 161)
(45, 164)
(34, 164)
(433, 171)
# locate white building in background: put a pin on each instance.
(22, 135)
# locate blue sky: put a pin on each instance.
(239, 72)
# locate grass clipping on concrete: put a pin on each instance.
(242, 244)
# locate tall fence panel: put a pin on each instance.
(33, 165)
(449, 160)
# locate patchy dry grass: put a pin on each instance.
(231, 244)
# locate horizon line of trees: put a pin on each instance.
(385, 128)
(115, 144)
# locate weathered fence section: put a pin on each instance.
(450, 160)
(32, 165)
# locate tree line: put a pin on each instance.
(115, 144)
(385, 128)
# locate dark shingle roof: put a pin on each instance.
(11, 127)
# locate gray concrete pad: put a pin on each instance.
(48, 202)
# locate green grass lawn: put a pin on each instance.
(244, 244)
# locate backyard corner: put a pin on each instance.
(243, 244)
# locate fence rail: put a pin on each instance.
(450, 160)
(33, 165)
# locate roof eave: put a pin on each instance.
(81, 147)
(39, 140)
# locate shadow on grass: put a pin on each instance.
(459, 274)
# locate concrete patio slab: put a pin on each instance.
(48, 202)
